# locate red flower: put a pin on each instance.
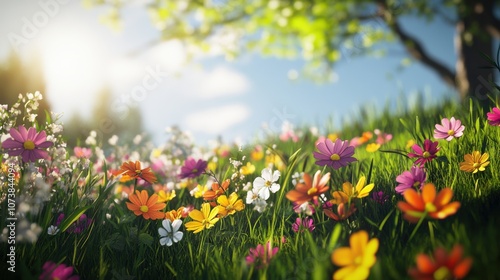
(441, 265)
(425, 154)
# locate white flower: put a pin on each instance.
(113, 140)
(260, 205)
(52, 230)
(252, 195)
(266, 183)
(170, 233)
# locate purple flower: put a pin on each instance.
(27, 143)
(494, 117)
(192, 168)
(380, 197)
(425, 154)
(52, 270)
(303, 224)
(78, 226)
(449, 129)
(261, 255)
(414, 178)
(336, 154)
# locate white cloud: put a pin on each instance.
(223, 81)
(217, 120)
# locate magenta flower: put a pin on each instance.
(303, 224)
(414, 178)
(27, 143)
(494, 117)
(78, 226)
(52, 270)
(336, 154)
(382, 137)
(425, 154)
(261, 255)
(192, 168)
(380, 197)
(449, 129)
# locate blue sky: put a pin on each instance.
(209, 96)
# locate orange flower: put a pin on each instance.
(146, 206)
(475, 162)
(442, 265)
(344, 211)
(130, 170)
(427, 203)
(216, 191)
(173, 215)
(310, 189)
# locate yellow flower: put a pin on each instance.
(173, 215)
(257, 153)
(276, 161)
(248, 169)
(229, 206)
(164, 196)
(355, 261)
(203, 219)
(212, 166)
(372, 147)
(410, 143)
(361, 190)
(333, 136)
(475, 162)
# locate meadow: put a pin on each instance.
(389, 196)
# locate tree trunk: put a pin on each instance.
(473, 81)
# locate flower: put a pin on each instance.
(165, 196)
(382, 137)
(216, 191)
(344, 211)
(449, 129)
(52, 270)
(427, 203)
(52, 230)
(248, 169)
(229, 206)
(146, 206)
(310, 189)
(261, 255)
(355, 261)
(475, 162)
(192, 168)
(266, 183)
(441, 265)
(361, 190)
(169, 232)
(173, 215)
(414, 178)
(372, 147)
(380, 197)
(336, 154)
(82, 152)
(303, 224)
(132, 170)
(427, 154)
(494, 117)
(203, 219)
(27, 143)
(80, 225)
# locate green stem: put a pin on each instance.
(418, 225)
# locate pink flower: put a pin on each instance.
(61, 272)
(336, 154)
(261, 255)
(494, 117)
(27, 143)
(82, 152)
(414, 178)
(382, 137)
(425, 154)
(380, 197)
(192, 168)
(303, 224)
(449, 129)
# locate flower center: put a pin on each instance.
(312, 191)
(416, 184)
(335, 157)
(442, 273)
(430, 207)
(451, 132)
(426, 154)
(268, 183)
(229, 208)
(357, 260)
(138, 172)
(144, 209)
(29, 145)
(475, 165)
(194, 170)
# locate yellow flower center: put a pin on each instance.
(416, 184)
(194, 170)
(451, 132)
(229, 208)
(312, 191)
(476, 165)
(144, 209)
(138, 172)
(335, 157)
(29, 145)
(358, 260)
(268, 183)
(442, 274)
(430, 207)
(426, 154)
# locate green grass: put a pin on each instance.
(119, 245)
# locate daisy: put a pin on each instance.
(267, 183)
(336, 154)
(27, 143)
(475, 162)
(449, 129)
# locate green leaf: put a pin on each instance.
(146, 239)
(68, 221)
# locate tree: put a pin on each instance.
(319, 29)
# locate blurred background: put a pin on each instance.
(233, 70)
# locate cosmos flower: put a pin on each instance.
(204, 219)
(425, 154)
(192, 168)
(132, 170)
(261, 255)
(28, 144)
(349, 191)
(302, 224)
(141, 204)
(229, 205)
(310, 189)
(344, 211)
(475, 162)
(449, 129)
(336, 154)
(494, 117)
(52, 270)
(441, 265)
(414, 178)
